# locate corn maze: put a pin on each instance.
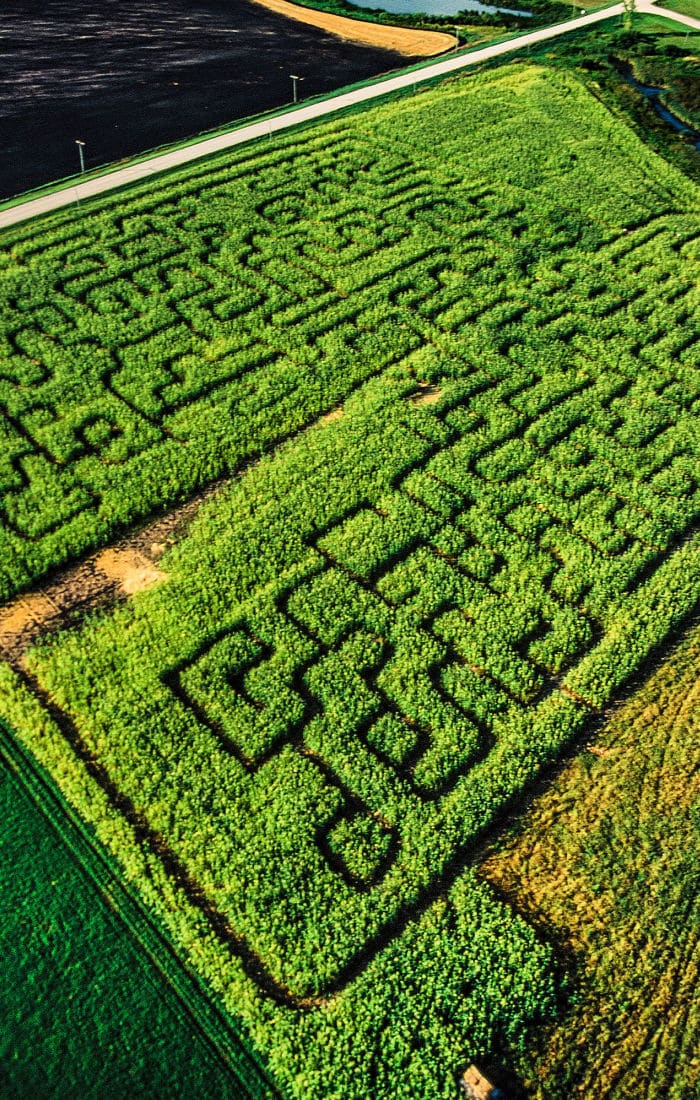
(470, 384)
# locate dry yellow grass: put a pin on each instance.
(404, 40)
(606, 863)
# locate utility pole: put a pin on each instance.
(81, 146)
(294, 87)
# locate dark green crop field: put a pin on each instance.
(84, 1012)
(450, 348)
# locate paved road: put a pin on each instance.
(119, 177)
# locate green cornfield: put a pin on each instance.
(444, 355)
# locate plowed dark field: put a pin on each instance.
(123, 76)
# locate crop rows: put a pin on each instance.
(158, 345)
(379, 634)
(425, 638)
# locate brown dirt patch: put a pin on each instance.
(115, 573)
(426, 394)
(403, 40)
(598, 751)
(23, 614)
(131, 570)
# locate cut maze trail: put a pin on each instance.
(105, 589)
(306, 294)
(158, 846)
(473, 855)
(253, 965)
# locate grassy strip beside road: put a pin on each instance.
(658, 52)
(684, 7)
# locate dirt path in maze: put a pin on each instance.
(113, 573)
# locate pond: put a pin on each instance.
(434, 7)
(653, 94)
(124, 76)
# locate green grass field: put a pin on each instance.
(658, 52)
(673, 33)
(685, 7)
(85, 1012)
(447, 352)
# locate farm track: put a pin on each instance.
(102, 579)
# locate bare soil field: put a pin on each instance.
(124, 78)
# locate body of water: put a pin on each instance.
(653, 94)
(124, 76)
(433, 7)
